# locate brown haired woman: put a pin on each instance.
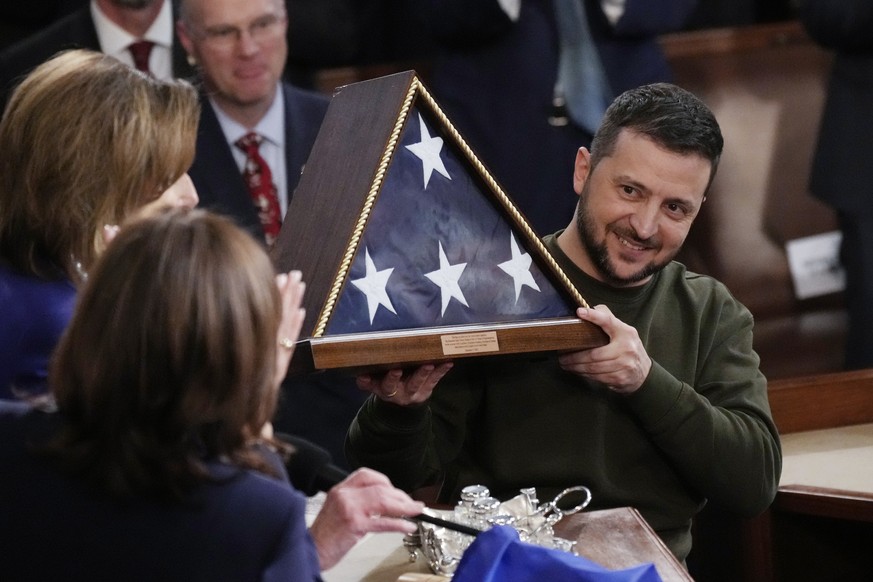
(156, 465)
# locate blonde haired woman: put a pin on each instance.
(85, 141)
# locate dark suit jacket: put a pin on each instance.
(219, 182)
(242, 526)
(73, 31)
(842, 174)
(495, 79)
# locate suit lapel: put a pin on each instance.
(292, 164)
(303, 116)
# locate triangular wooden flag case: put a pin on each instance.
(410, 249)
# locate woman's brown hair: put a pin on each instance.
(84, 141)
(170, 356)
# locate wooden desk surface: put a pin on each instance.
(828, 473)
(620, 538)
(614, 538)
(834, 458)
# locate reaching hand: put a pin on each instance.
(362, 503)
(414, 388)
(623, 364)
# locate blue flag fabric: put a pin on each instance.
(438, 251)
(497, 555)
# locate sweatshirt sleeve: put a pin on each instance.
(719, 434)
(413, 445)
(395, 440)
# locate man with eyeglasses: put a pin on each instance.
(137, 32)
(240, 49)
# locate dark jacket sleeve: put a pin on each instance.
(414, 445)
(396, 441)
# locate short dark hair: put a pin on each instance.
(170, 358)
(669, 115)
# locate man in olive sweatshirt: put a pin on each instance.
(670, 413)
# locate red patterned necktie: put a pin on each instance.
(259, 179)
(140, 51)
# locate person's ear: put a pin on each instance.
(186, 41)
(581, 169)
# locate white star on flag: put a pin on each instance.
(518, 267)
(373, 286)
(428, 150)
(446, 277)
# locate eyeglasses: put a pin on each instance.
(264, 28)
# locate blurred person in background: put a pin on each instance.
(240, 50)
(527, 81)
(841, 172)
(137, 32)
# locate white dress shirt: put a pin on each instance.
(114, 40)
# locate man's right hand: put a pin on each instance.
(413, 388)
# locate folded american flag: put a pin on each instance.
(437, 251)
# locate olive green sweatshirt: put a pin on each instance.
(699, 427)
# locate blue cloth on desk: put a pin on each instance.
(499, 555)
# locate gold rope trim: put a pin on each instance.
(517, 217)
(369, 201)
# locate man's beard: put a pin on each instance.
(599, 253)
(133, 4)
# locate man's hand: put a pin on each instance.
(413, 388)
(622, 364)
(363, 502)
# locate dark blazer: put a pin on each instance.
(242, 526)
(495, 79)
(842, 174)
(73, 31)
(216, 176)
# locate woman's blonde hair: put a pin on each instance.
(84, 141)
(170, 357)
